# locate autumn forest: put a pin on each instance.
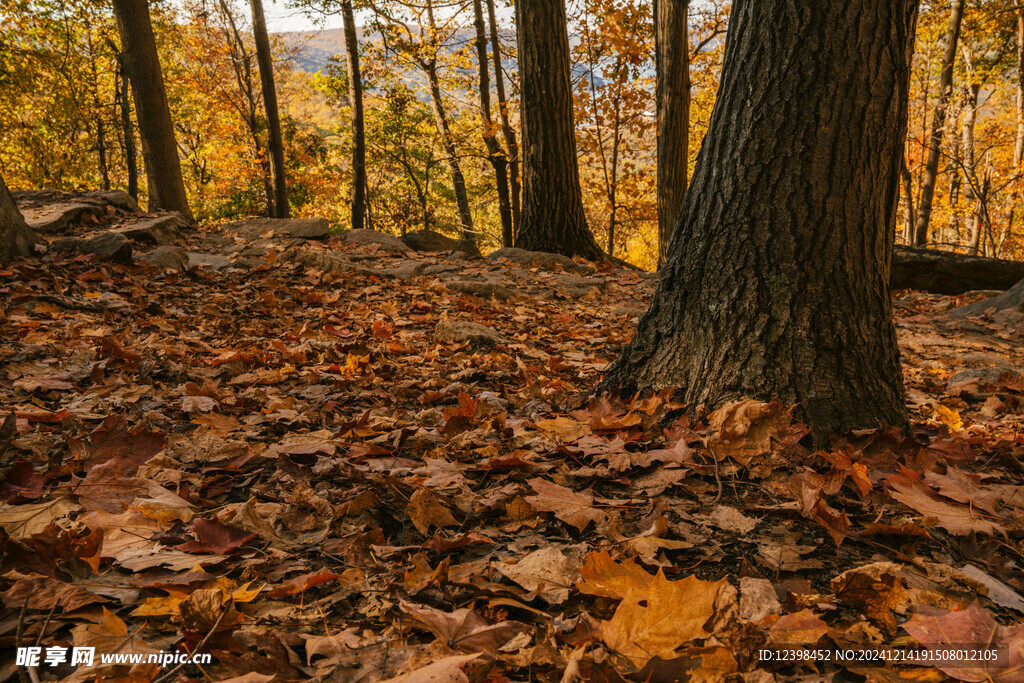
(511, 340)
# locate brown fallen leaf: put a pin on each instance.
(603, 576)
(939, 629)
(447, 670)
(426, 509)
(656, 622)
(463, 629)
(959, 520)
(422, 576)
(215, 537)
(22, 521)
(546, 572)
(876, 590)
(799, 628)
(569, 506)
(44, 593)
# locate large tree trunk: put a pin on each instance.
(355, 101)
(777, 279)
(931, 167)
(552, 217)
(274, 140)
(945, 272)
(495, 154)
(159, 149)
(672, 59)
(506, 126)
(16, 238)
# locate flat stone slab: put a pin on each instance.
(538, 259)
(107, 246)
(370, 237)
(167, 256)
(304, 228)
(430, 240)
(484, 289)
(158, 230)
(55, 218)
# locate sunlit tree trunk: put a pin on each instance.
(506, 127)
(908, 206)
(159, 149)
(552, 217)
(495, 154)
(16, 238)
(931, 167)
(971, 185)
(672, 59)
(777, 282)
(274, 140)
(1018, 147)
(355, 100)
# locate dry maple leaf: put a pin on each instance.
(546, 572)
(447, 670)
(799, 628)
(956, 519)
(22, 521)
(603, 576)
(656, 622)
(876, 589)
(939, 629)
(463, 629)
(569, 506)
(426, 509)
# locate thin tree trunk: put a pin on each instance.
(1018, 147)
(931, 167)
(101, 138)
(672, 60)
(450, 153)
(495, 154)
(506, 126)
(970, 176)
(777, 283)
(552, 218)
(159, 149)
(355, 102)
(908, 207)
(274, 139)
(16, 238)
(127, 131)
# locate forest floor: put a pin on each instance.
(335, 458)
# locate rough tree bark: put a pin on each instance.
(552, 217)
(495, 154)
(777, 279)
(274, 140)
(506, 127)
(931, 167)
(159, 149)
(16, 238)
(355, 100)
(672, 60)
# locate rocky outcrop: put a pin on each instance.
(106, 246)
(301, 228)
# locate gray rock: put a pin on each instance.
(159, 230)
(212, 261)
(1011, 299)
(167, 256)
(983, 375)
(405, 270)
(55, 218)
(382, 240)
(440, 268)
(538, 259)
(429, 240)
(576, 286)
(485, 289)
(107, 246)
(116, 198)
(464, 331)
(303, 228)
